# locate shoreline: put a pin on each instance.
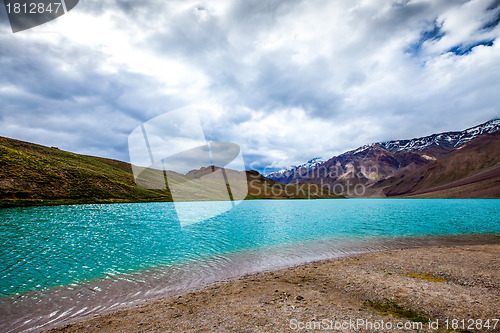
(425, 283)
(27, 203)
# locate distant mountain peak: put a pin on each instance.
(454, 139)
(451, 139)
(312, 163)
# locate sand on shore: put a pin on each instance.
(410, 289)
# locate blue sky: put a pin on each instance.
(286, 80)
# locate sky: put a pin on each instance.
(286, 80)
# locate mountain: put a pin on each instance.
(470, 171)
(33, 174)
(444, 142)
(283, 174)
(368, 170)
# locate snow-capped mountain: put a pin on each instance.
(448, 139)
(283, 173)
(308, 165)
(378, 161)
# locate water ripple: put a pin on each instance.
(75, 261)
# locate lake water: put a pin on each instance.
(62, 263)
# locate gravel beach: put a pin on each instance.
(426, 290)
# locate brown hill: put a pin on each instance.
(472, 170)
(351, 173)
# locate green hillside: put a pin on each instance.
(32, 174)
(35, 174)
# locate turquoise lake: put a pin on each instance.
(49, 251)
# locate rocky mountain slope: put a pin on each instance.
(368, 170)
(283, 174)
(472, 170)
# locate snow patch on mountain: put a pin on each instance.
(455, 139)
(309, 165)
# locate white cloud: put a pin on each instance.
(287, 80)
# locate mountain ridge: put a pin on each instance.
(476, 161)
(420, 143)
(33, 174)
(370, 165)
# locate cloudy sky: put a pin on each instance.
(287, 80)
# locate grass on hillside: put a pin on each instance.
(32, 174)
